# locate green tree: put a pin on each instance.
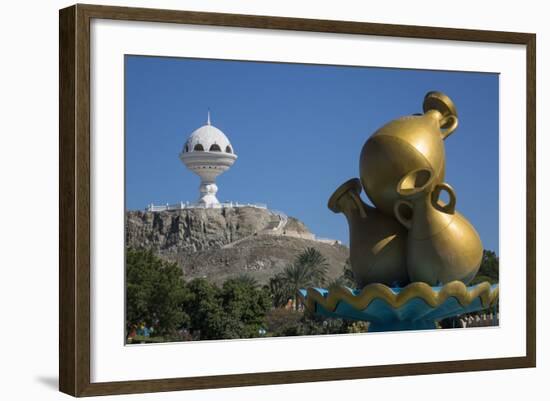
(314, 261)
(245, 307)
(237, 310)
(247, 280)
(154, 292)
(279, 290)
(308, 270)
(488, 271)
(208, 320)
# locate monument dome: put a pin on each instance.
(208, 138)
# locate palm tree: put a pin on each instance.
(279, 290)
(308, 270)
(247, 280)
(315, 262)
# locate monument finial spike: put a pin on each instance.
(208, 118)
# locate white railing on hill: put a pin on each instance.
(328, 240)
(283, 219)
(188, 205)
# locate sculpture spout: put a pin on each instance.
(377, 242)
(346, 199)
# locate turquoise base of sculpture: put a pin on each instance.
(415, 307)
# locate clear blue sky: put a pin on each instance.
(298, 131)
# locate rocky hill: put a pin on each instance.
(222, 243)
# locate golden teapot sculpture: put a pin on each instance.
(410, 235)
(442, 245)
(377, 242)
(405, 144)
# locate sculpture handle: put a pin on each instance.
(450, 207)
(448, 125)
(448, 117)
(398, 211)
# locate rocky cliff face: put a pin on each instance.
(193, 230)
(222, 243)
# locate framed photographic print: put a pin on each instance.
(261, 200)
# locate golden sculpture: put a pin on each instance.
(442, 246)
(407, 144)
(377, 241)
(402, 169)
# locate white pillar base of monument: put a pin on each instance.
(208, 190)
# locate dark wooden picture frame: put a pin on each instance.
(74, 202)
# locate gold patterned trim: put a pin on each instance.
(361, 301)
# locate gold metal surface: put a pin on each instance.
(442, 245)
(407, 144)
(432, 297)
(377, 241)
(402, 169)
